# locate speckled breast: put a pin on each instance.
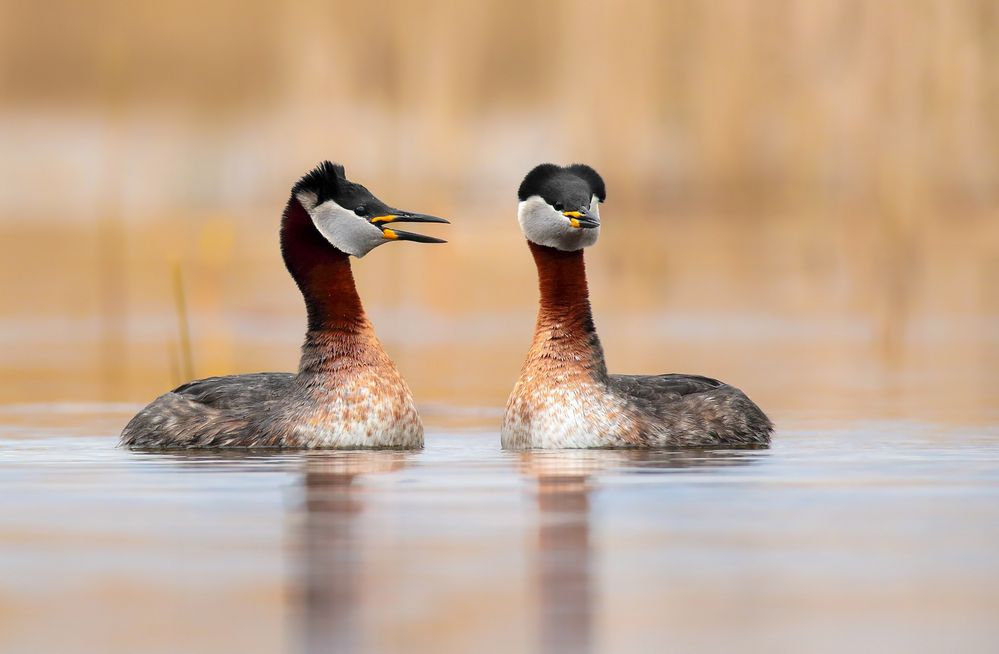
(372, 407)
(569, 412)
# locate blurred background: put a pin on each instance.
(803, 197)
(803, 200)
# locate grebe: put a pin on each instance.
(564, 397)
(347, 393)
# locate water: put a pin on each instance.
(867, 535)
(872, 524)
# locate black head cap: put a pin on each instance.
(569, 185)
(329, 181)
(325, 180)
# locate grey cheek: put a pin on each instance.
(360, 237)
(370, 240)
(349, 233)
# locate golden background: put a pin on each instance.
(803, 200)
(802, 196)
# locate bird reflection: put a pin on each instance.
(327, 549)
(563, 562)
(330, 547)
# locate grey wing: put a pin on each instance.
(660, 388)
(212, 412)
(237, 391)
(691, 410)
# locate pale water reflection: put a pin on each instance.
(330, 551)
(840, 536)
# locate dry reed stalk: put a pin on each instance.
(183, 324)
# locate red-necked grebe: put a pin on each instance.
(564, 397)
(347, 393)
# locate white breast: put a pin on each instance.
(362, 413)
(545, 416)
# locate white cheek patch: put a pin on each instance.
(543, 225)
(307, 199)
(343, 228)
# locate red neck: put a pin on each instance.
(562, 281)
(564, 330)
(322, 273)
(340, 335)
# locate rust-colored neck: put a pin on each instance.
(564, 332)
(339, 332)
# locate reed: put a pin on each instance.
(183, 323)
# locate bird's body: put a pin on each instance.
(565, 398)
(347, 393)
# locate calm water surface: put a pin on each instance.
(874, 536)
(872, 524)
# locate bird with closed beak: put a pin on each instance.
(565, 397)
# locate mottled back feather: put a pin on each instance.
(238, 391)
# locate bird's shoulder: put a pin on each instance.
(235, 391)
(670, 386)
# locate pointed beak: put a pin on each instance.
(581, 219)
(407, 217)
(399, 235)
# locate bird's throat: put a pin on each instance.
(564, 334)
(340, 336)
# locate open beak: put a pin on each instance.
(407, 217)
(581, 219)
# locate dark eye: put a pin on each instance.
(361, 210)
(558, 206)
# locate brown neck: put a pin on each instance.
(564, 332)
(339, 332)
